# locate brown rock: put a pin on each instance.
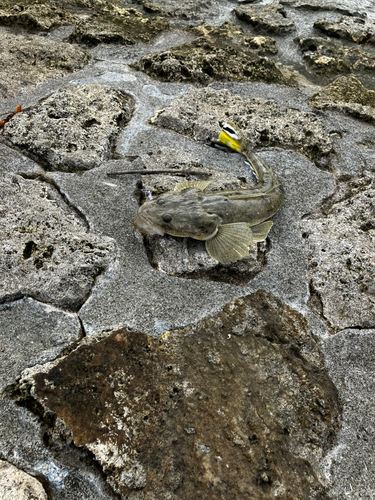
(327, 57)
(355, 29)
(347, 95)
(113, 24)
(236, 406)
(219, 53)
(270, 17)
(35, 14)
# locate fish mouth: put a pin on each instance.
(144, 226)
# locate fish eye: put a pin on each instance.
(160, 201)
(167, 218)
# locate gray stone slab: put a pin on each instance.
(32, 333)
(350, 466)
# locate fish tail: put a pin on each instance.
(232, 138)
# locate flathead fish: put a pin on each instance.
(230, 222)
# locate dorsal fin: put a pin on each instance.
(201, 185)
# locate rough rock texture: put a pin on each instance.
(27, 61)
(16, 484)
(45, 453)
(340, 245)
(219, 53)
(343, 7)
(185, 256)
(347, 95)
(113, 24)
(327, 57)
(74, 128)
(355, 29)
(200, 114)
(189, 9)
(35, 14)
(350, 360)
(237, 406)
(47, 252)
(270, 17)
(32, 333)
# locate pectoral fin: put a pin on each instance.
(260, 232)
(201, 185)
(231, 243)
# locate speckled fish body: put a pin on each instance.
(229, 221)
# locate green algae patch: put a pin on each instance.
(34, 14)
(222, 53)
(347, 95)
(113, 24)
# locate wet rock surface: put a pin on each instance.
(340, 244)
(27, 61)
(46, 453)
(219, 53)
(270, 17)
(194, 402)
(349, 96)
(15, 483)
(184, 256)
(34, 14)
(327, 57)
(113, 24)
(355, 29)
(32, 333)
(350, 361)
(47, 251)
(107, 291)
(200, 114)
(74, 129)
(343, 7)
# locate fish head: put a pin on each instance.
(178, 214)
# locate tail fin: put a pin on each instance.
(232, 138)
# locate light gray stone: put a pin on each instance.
(340, 245)
(74, 129)
(16, 484)
(343, 7)
(32, 333)
(200, 114)
(27, 61)
(47, 251)
(350, 466)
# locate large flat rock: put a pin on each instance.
(201, 113)
(74, 129)
(238, 405)
(223, 53)
(270, 18)
(47, 251)
(26, 61)
(346, 95)
(340, 245)
(34, 14)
